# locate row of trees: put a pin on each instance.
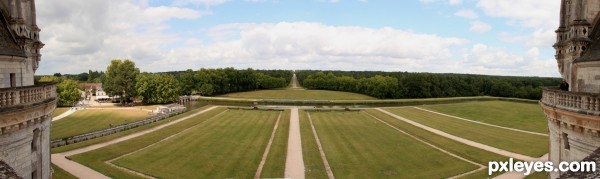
(394, 85)
(123, 79)
(226, 80)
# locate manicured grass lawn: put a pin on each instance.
(95, 159)
(299, 94)
(59, 110)
(123, 133)
(228, 146)
(524, 116)
(313, 165)
(358, 146)
(522, 143)
(59, 173)
(90, 120)
(275, 164)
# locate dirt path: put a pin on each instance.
(81, 171)
(294, 162)
(323, 157)
(483, 123)
(266, 153)
(294, 83)
(462, 140)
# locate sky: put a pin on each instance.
(492, 37)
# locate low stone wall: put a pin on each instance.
(112, 130)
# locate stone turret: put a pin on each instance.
(25, 107)
(574, 115)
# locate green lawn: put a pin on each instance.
(299, 94)
(228, 146)
(275, 164)
(524, 116)
(522, 143)
(95, 159)
(358, 146)
(313, 165)
(90, 120)
(59, 173)
(59, 110)
(126, 132)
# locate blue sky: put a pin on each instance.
(492, 37)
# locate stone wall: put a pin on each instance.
(572, 136)
(16, 65)
(588, 78)
(29, 158)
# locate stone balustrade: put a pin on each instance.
(26, 95)
(584, 103)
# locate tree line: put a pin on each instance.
(123, 79)
(396, 85)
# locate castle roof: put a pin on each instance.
(8, 43)
(7, 172)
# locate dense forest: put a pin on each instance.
(395, 85)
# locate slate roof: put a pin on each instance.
(595, 156)
(7, 172)
(8, 44)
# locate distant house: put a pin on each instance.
(93, 89)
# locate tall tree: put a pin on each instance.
(68, 93)
(120, 79)
(158, 88)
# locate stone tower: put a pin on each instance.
(25, 107)
(574, 115)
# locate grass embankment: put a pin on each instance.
(468, 152)
(358, 146)
(90, 120)
(228, 146)
(124, 133)
(59, 110)
(59, 173)
(299, 95)
(522, 116)
(518, 142)
(95, 159)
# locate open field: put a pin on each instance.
(238, 137)
(299, 94)
(123, 133)
(518, 142)
(92, 119)
(358, 146)
(524, 116)
(229, 146)
(59, 110)
(95, 159)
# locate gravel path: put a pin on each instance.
(81, 171)
(462, 140)
(294, 163)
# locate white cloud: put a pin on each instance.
(467, 13)
(529, 13)
(454, 2)
(479, 27)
